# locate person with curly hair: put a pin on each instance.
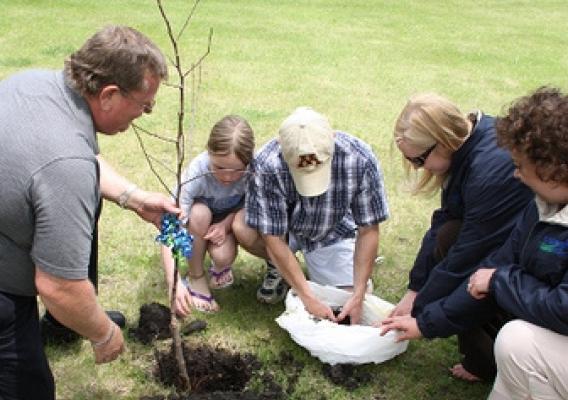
(526, 280)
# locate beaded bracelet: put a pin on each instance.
(107, 339)
(124, 196)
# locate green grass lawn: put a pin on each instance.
(356, 61)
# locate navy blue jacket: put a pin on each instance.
(530, 283)
(484, 194)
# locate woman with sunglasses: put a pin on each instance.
(480, 200)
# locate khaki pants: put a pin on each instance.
(531, 363)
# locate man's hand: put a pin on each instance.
(152, 205)
(478, 285)
(354, 308)
(319, 309)
(404, 306)
(406, 325)
(111, 348)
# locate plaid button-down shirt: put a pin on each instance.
(355, 197)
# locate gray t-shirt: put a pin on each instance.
(49, 189)
(203, 187)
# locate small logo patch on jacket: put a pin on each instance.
(558, 247)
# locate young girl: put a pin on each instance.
(213, 188)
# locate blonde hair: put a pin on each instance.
(232, 134)
(427, 120)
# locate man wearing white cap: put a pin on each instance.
(320, 192)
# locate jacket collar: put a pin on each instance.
(482, 125)
(551, 213)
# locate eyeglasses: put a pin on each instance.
(216, 169)
(146, 107)
(419, 161)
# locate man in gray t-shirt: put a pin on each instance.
(52, 181)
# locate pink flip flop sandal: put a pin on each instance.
(220, 279)
(213, 306)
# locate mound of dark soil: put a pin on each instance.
(346, 375)
(154, 324)
(209, 369)
(216, 396)
(219, 374)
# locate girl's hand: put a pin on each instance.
(478, 286)
(216, 234)
(183, 300)
(406, 325)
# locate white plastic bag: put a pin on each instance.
(340, 344)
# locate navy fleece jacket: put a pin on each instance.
(530, 283)
(481, 192)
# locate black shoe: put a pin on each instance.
(55, 333)
(117, 317)
(52, 331)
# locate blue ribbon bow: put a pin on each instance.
(174, 235)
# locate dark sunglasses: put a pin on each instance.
(419, 161)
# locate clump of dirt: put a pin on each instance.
(154, 324)
(344, 321)
(346, 375)
(209, 369)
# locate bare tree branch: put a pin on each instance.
(163, 164)
(188, 18)
(171, 60)
(180, 153)
(171, 84)
(148, 159)
(198, 63)
(147, 132)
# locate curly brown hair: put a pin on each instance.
(537, 127)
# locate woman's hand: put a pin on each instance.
(404, 306)
(478, 286)
(406, 325)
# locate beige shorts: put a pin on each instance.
(331, 265)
